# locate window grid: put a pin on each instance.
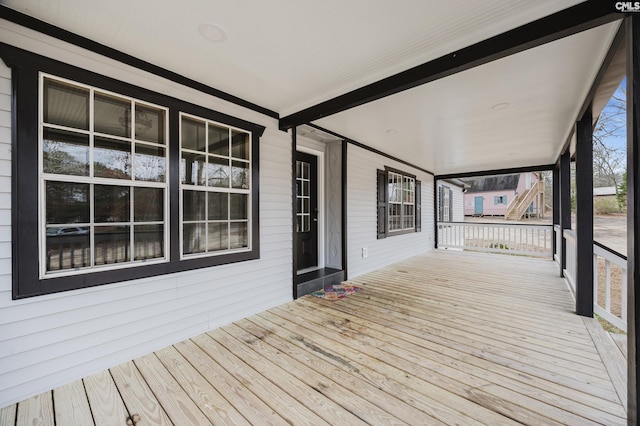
(303, 196)
(69, 247)
(400, 202)
(209, 224)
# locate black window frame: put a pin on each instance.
(26, 68)
(383, 203)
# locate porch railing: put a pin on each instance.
(610, 285)
(571, 267)
(609, 278)
(516, 239)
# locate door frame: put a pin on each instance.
(321, 216)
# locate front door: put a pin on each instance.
(307, 210)
(479, 206)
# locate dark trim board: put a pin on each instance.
(294, 218)
(515, 170)
(581, 17)
(345, 266)
(109, 52)
(368, 148)
(584, 215)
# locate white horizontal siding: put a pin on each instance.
(50, 340)
(458, 204)
(362, 215)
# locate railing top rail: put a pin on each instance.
(569, 233)
(610, 250)
(532, 225)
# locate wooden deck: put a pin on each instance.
(445, 338)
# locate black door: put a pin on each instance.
(307, 210)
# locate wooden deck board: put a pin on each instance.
(443, 338)
(71, 405)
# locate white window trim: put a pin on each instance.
(205, 189)
(43, 177)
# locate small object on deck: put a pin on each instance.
(336, 292)
(135, 418)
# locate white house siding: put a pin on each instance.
(458, 204)
(362, 215)
(50, 340)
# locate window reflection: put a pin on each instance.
(149, 163)
(65, 152)
(150, 124)
(218, 172)
(111, 203)
(112, 244)
(65, 105)
(193, 203)
(112, 115)
(67, 202)
(218, 140)
(149, 241)
(192, 170)
(148, 204)
(112, 158)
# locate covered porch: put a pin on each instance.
(448, 337)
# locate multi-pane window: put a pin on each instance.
(103, 179)
(400, 202)
(215, 166)
(303, 196)
(500, 199)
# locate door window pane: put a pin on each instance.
(65, 105)
(65, 152)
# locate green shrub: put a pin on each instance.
(605, 205)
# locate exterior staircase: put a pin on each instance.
(519, 205)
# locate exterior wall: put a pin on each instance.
(50, 340)
(522, 182)
(362, 215)
(458, 204)
(489, 208)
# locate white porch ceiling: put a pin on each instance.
(287, 55)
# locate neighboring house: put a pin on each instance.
(499, 195)
(451, 200)
(604, 191)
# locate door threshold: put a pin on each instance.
(307, 270)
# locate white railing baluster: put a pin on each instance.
(610, 312)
